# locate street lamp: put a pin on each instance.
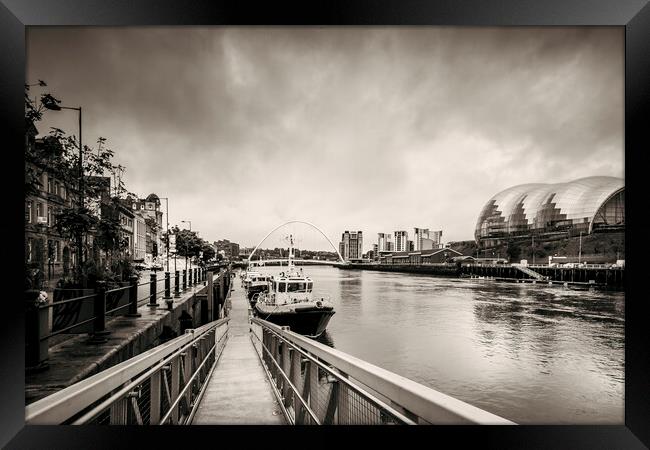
(52, 104)
(186, 246)
(580, 250)
(167, 219)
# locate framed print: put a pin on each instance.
(352, 215)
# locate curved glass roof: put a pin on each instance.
(541, 206)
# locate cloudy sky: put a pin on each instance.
(364, 128)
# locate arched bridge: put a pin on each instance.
(296, 261)
(305, 223)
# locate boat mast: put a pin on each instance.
(290, 251)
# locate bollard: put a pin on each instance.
(36, 327)
(99, 313)
(133, 297)
(177, 280)
(168, 286)
(184, 280)
(152, 290)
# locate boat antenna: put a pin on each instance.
(290, 265)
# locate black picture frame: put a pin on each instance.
(634, 15)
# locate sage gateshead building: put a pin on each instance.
(587, 205)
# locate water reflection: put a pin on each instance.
(530, 353)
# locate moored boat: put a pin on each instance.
(289, 301)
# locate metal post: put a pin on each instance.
(99, 313)
(184, 280)
(210, 297)
(133, 297)
(152, 290)
(167, 219)
(168, 287)
(177, 280)
(81, 205)
(580, 251)
(36, 326)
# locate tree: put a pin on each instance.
(58, 155)
(187, 243)
(208, 251)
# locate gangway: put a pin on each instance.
(249, 371)
(531, 273)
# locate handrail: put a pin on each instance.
(426, 403)
(64, 404)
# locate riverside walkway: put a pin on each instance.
(239, 392)
(241, 370)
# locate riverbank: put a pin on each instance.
(597, 276)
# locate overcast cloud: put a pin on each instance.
(372, 129)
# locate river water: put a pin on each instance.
(534, 354)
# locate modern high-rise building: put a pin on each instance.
(384, 242)
(418, 236)
(401, 241)
(436, 237)
(351, 245)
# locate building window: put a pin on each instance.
(50, 216)
(50, 185)
(57, 251)
(28, 212)
(40, 209)
(134, 206)
(141, 206)
(30, 245)
(150, 206)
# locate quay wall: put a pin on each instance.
(75, 359)
(614, 278)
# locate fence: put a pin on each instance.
(320, 385)
(87, 313)
(161, 386)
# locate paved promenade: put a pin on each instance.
(239, 392)
(74, 359)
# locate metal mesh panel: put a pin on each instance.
(332, 399)
(144, 401)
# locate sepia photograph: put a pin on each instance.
(325, 225)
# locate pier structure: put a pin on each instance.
(600, 276)
(238, 369)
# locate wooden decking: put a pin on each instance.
(239, 393)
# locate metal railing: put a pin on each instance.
(316, 384)
(161, 386)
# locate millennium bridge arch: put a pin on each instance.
(297, 221)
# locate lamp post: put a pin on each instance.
(533, 248)
(52, 104)
(186, 246)
(580, 249)
(167, 220)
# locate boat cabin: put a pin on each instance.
(292, 288)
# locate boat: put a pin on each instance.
(289, 301)
(257, 284)
(248, 278)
